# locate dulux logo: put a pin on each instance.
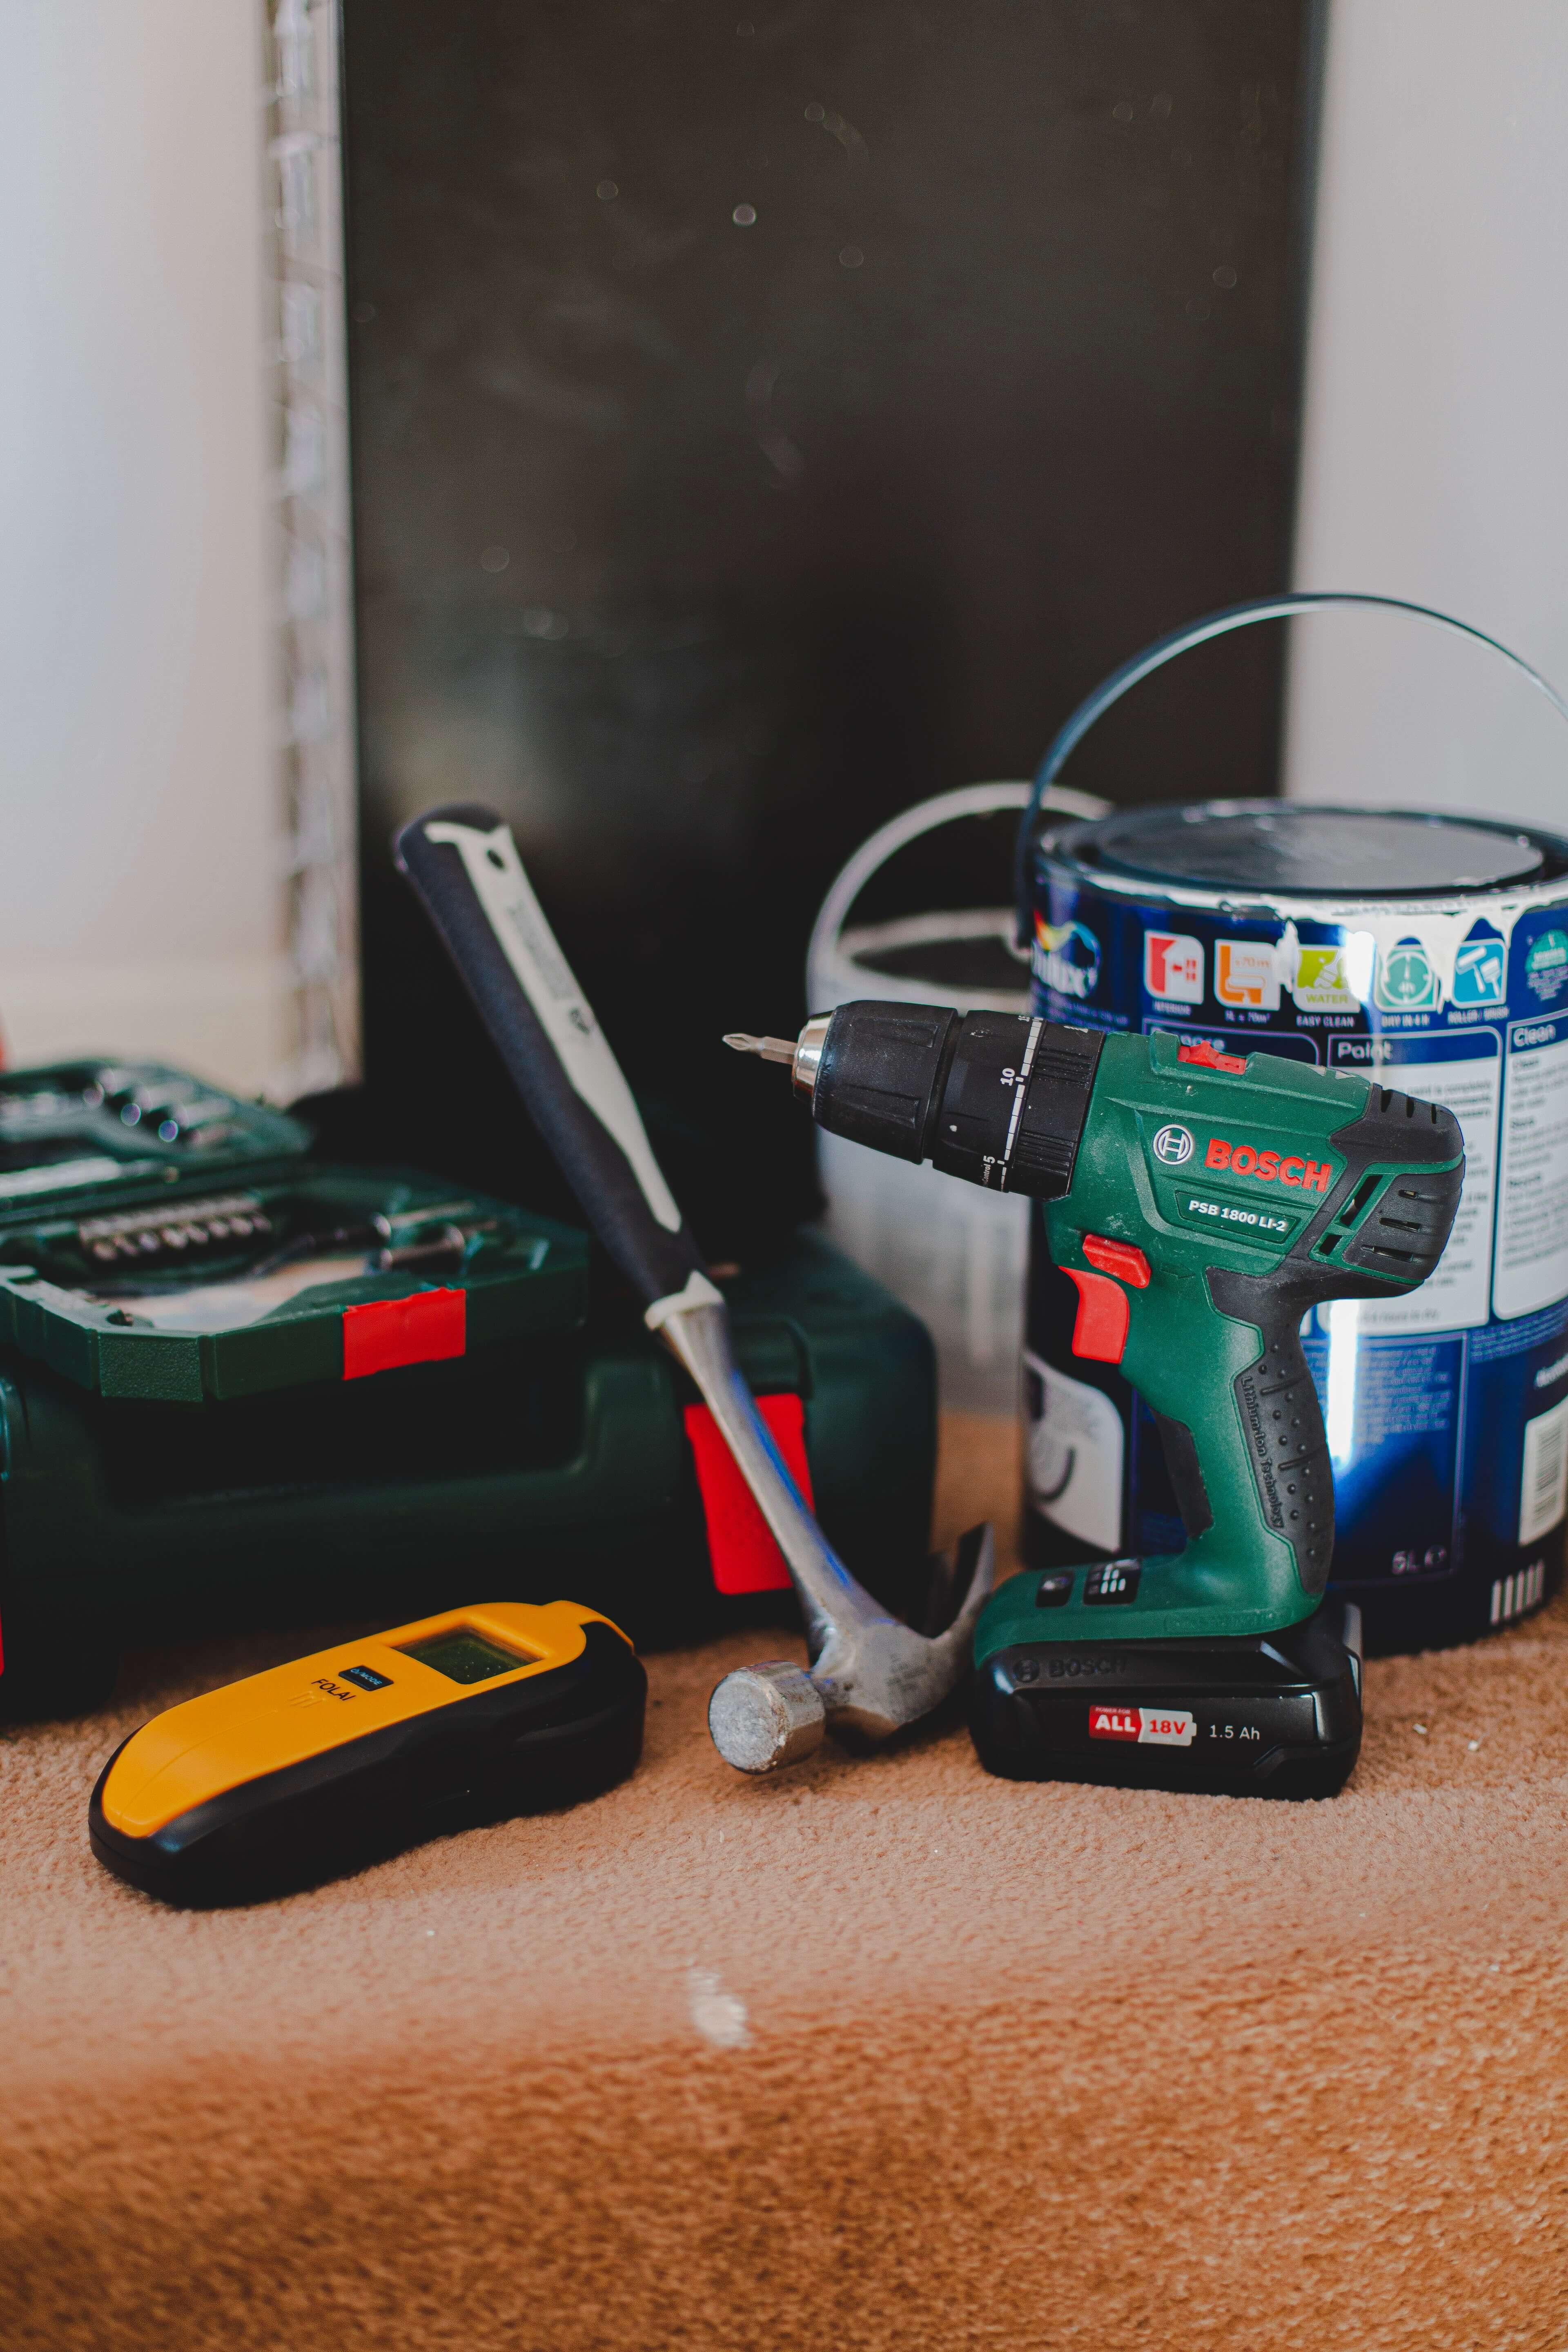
(1067, 957)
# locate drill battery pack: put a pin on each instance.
(243, 1387)
(1263, 1715)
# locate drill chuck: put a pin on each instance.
(995, 1098)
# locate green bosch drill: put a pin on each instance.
(1201, 1204)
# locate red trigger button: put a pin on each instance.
(1120, 1259)
(1101, 1330)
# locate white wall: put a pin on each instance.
(1436, 432)
(141, 906)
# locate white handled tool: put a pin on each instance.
(870, 1675)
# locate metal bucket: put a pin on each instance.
(1429, 950)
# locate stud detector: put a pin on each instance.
(309, 1769)
(1201, 1203)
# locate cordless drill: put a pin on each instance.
(1201, 1204)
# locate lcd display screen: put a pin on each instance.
(465, 1656)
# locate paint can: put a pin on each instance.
(1430, 952)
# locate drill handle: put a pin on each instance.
(1245, 1440)
(464, 867)
(1277, 1402)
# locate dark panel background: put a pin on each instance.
(699, 548)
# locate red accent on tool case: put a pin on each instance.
(744, 1557)
(386, 1332)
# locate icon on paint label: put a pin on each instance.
(1173, 967)
(1150, 1726)
(1322, 983)
(1480, 969)
(1244, 974)
(1406, 979)
(1546, 965)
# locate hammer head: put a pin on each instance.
(765, 1716)
(872, 1677)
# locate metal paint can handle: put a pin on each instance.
(1067, 738)
(826, 957)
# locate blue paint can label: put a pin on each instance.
(1446, 1410)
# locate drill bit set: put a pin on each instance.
(220, 1263)
(123, 1268)
(147, 1237)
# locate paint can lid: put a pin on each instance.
(1292, 848)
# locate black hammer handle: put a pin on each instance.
(464, 867)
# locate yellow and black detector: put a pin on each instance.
(316, 1767)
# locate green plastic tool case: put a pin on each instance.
(241, 1387)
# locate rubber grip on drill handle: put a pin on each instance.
(463, 865)
(1249, 1448)
(1278, 1400)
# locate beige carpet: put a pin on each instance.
(885, 2053)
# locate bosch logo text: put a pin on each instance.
(1268, 1167)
